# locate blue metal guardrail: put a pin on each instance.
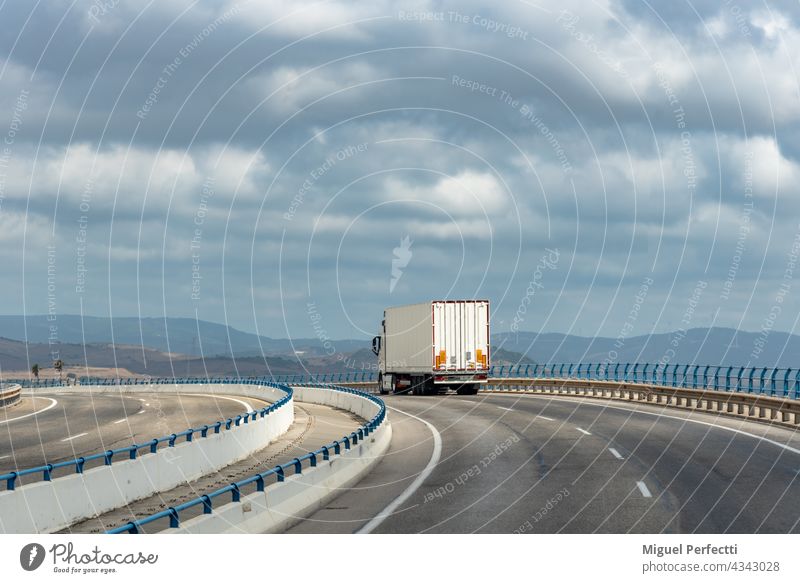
(259, 480)
(776, 382)
(779, 382)
(151, 446)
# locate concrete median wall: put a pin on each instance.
(10, 395)
(283, 504)
(52, 506)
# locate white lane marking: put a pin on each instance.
(615, 453)
(684, 419)
(245, 404)
(545, 418)
(583, 431)
(120, 421)
(2, 457)
(140, 400)
(75, 436)
(52, 404)
(147, 404)
(423, 475)
(643, 489)
(140, 412)
(505, 408)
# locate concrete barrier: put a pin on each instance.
(282, 504)
(10, 395)
(50, 506)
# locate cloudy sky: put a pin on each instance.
(294, 167)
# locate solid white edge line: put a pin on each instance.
(423, 475)
(245, 404)
(583, 431)
(75, 436)
(643, 489)
(615, 453)
(52, 404)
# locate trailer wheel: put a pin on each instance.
(381, 390)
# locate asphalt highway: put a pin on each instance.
(542, 464)
(52, 428)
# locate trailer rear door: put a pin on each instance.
(460, 335)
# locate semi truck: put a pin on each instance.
(434, 346)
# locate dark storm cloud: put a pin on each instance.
(283, 150)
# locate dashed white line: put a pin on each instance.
(75, 436)
(643, 489)
(2, 457)
(583, 431)
(545, 418)
(615, 453)
(140, 412)
(505, 408)
(674, 417)
(423, 475)
(120, 421)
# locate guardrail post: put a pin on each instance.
(298, 466)
(772, 387)
(625, 372)
(597, 371)
(685, 376)
(207, 504)
(46, 473)
(761, 380)
(705, 376)
(174, 518)
(561, 372)
(797, 390)
(11, 481)
(326, 455)
(750, 379)
(728, 378)
(280, 474)
(785, 391)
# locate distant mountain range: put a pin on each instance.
(175, 335)
(184, 340)
(714, 346)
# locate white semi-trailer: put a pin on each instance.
(430, 347)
